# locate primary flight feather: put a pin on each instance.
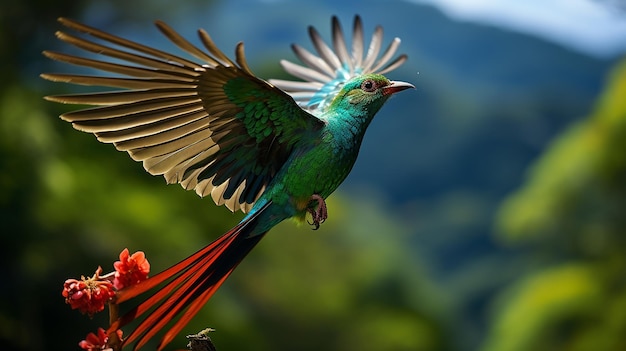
(274, 150)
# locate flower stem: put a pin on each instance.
(114, 341)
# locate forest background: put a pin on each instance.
(486, 211)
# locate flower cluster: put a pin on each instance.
(90, 295)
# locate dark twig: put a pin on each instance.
(201, 341)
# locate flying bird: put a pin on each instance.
(273, 149)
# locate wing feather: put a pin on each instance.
(171, 119)
(357, 42)
(341, 48)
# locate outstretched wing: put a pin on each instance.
(212, 127)
(324, 75)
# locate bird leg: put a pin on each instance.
(318, 211)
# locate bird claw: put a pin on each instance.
(318, 213)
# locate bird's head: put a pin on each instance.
(364, 95)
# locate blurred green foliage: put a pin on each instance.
(571, 214)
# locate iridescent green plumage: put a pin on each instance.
(218, 129)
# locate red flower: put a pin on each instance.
(130, 269)
(88, 295)
(97, 342)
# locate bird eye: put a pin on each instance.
(368, 85)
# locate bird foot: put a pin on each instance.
(318, 211)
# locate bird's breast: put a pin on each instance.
(318, 169)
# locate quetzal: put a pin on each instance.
(272, 149)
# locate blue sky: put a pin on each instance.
(592, 26)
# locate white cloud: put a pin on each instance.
(586, 25)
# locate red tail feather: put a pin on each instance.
(193, 281)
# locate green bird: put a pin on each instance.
(274, 150)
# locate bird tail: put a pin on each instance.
(192, 283)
